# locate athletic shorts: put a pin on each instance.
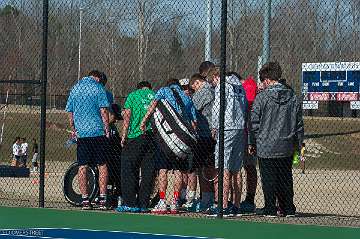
(204, 153)
(17, 158)
(170, 163)
(92, 150)
(234, 150)
(23, 159)
(249, 160)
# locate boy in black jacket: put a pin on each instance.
(276, 132)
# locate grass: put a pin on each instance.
(337, 141)
(333, 143)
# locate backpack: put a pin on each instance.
(174, 135)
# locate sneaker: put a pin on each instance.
(247, 208)
(86, 205)
(174, 207)
(191, 205)
(265, 213)
(234, 211)
(202, 207)
(290, 215)
(127, 209)
(103, 205)
(213, 212)
(182, 202)
(160, 208)
(144, 210)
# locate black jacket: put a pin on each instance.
(276, 126)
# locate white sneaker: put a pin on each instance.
(174, 207)
(160, 208)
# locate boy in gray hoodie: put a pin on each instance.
(276, 132)
(234, 135)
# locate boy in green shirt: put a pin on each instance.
(138, 151)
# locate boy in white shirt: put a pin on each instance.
(16, 152)
(24, 152)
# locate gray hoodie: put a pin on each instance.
(276, 126)
(235, 105)
(203, 101)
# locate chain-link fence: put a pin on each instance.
(163, 152)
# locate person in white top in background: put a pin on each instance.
(24, 152)
(16, 152)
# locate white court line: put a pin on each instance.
(140, 233)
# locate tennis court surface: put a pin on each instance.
(51, 223)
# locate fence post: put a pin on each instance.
(222, 105)
(208, 36)
(43, 102)
(266, 32)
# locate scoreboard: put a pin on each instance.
(338, 81)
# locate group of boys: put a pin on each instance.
(272, 131)
(20, 153)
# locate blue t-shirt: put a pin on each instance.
(85, 100)
(167, 94)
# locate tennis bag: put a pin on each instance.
(174, 135)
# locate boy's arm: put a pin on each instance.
(148, 114)
(126, 124)
(216, 110)
(105, 119)
(254, 124)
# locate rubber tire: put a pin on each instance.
(70, 194)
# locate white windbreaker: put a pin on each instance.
(235, 105)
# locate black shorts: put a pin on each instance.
(170, 163)
(92, 150)
(204, 153)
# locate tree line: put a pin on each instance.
(150, 40)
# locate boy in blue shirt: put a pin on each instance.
(164, 164)
(89, 121)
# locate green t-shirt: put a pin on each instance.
(138, 103)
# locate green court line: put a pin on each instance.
(17, 218)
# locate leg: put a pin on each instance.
(82, 176)
(251, 182)
(207, 187)
(237, 187)
(130, 171)
(285, 186)
(177, 183)
(226, 188)
(163, 181)
(302, 166)
(147, 174)
(161, 207)
(103, 178)
(184, 187)
(268, 179)
(192, 185)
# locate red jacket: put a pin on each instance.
(250, 88)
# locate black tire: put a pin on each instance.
(70, 194)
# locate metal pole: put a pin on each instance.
(222, 104)
(4, 118)
(266, 32)
(80, 31)
(43, 102)
(209, 24)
